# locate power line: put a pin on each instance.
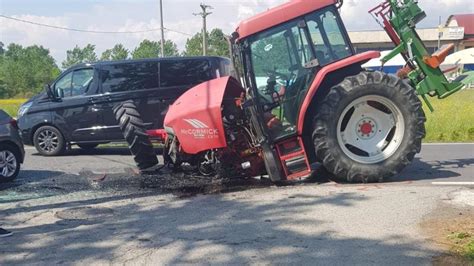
(90, 31)
(177, 31)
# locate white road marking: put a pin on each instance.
(447, 144)
(453, 183)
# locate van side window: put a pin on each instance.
(129, 77)
(184, 72)
(74, 83)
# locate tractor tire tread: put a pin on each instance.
(326, 145)
(134, 132)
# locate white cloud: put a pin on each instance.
(128, 15)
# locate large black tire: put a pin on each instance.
(10, 164)
(49, 141)
(134, 132)
(331, 148)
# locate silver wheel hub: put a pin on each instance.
(8, 163)
(370, 129)
(48, 140)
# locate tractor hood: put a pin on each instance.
(195, 118)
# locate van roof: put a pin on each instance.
(157, 59)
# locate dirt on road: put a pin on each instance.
(451, 226)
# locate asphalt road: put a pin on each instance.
(91, 209)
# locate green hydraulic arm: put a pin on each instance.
(399, 19)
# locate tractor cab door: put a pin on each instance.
(284, 66)
(284, 61)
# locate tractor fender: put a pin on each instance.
(321, 75)
(195, 118)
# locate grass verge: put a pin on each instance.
(11, 106)
(463, 245)
(452, 120)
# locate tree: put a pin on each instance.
(218, 45)
(1, 48)
(118, 52)
(80, 55)
(152, 49)
(24, 71)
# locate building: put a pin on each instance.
(465, 21)
(458, 29)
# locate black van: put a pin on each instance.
(77, 107)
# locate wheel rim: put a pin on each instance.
(48, 140)
(370, 129)
(8, 163)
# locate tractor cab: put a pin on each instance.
(278, 64)
(281, 63)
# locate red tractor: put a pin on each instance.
(300, 96)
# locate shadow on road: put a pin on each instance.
(436, 169)
(214, 229)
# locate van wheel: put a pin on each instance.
(49, 141)
(134, 132)
(369, 127)
(9, 163)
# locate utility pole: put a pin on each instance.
(204, 15)
(162, 30)
(440, 32)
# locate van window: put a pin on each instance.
(74, 83)
(184, 72)
(129, 77)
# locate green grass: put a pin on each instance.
(11, 105)
(463, 244)
(452, 120)
(469, 251)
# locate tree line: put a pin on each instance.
(25, 70)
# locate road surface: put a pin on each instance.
(90, 208)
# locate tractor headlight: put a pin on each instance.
(24, 108)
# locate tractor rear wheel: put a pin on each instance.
(368, 128)
(134, 132)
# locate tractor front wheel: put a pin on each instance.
(368, 128)
(134, 132)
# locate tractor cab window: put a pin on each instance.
(329, 43)
(279, 59)
(285, 59)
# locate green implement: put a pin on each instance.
(399, 19)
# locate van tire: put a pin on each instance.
(49, 141)
(134, 132)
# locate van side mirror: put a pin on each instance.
(50, 92)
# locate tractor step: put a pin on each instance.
(293, 158)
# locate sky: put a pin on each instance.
(135, 15)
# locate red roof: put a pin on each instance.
(279, 14)
(464, 20)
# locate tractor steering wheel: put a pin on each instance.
(276, 74)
